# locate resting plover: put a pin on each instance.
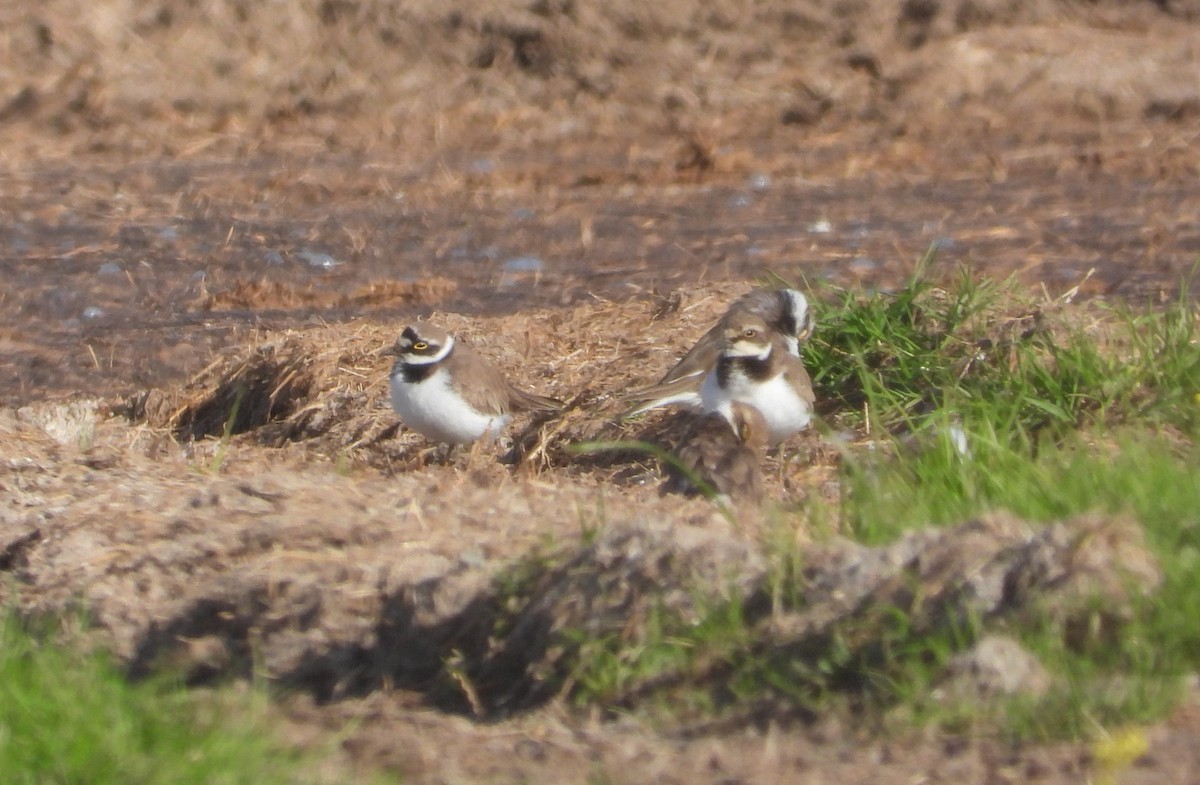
(723, 452)
(446, 392)
(786, 314)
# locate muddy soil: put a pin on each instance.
(578, 189)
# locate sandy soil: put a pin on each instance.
(192, 189)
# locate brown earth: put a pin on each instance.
(197, 191)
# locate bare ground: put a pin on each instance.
(202, 196)
(312, 552)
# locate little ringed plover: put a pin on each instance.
(447, 392)
(786, 314)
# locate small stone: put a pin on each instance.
(322, 261)
(760, 182)
(482, 166)
(473, 557)
(996, 665)
(524, 264)
(863, 265)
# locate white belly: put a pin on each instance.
(785, 412)
(436, 412)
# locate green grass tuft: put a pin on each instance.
(961, 399)
(70, 717)
(991, 350)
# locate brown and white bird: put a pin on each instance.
(446, 392)
(754, 367)
(723, 452)
(785, 312)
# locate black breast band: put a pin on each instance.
(753, 368)
(413, 373)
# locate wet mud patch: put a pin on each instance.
(95, 310)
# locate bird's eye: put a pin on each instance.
(749, 332)
(420, 346)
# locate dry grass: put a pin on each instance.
(326, 388)
(276, 295)
(306, 76)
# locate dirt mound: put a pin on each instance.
(341, 584)
(393, 608)
(467, 75)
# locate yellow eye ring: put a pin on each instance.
(420, 346)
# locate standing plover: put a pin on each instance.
(448, 393)
(786, 313)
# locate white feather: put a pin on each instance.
(785, 412)
(435, 410)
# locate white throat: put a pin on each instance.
(761, 355)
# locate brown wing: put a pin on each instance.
(532, 402)
(715, 452)
(700, 358)
(647, 398)
(478, 381)
(797, 374)
(764, 303)
(483, 386)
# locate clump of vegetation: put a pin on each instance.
(69, 716)
(992, 351)
(954, 400)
